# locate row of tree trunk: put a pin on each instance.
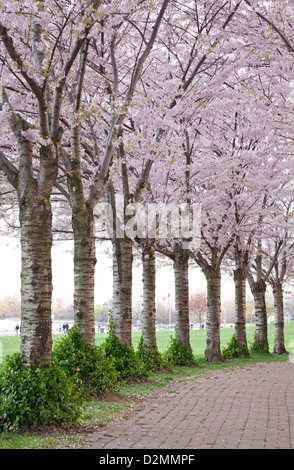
(37, 291)
(36, 240)
(122, 315)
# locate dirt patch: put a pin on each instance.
(113, 397)
(53, 429)
(163, 371)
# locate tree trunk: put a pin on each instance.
(240, 306)
(258, 291)
(122, 289)
(149, 303)
(213, 351)
(279, 346)
(84, 242)
(84, 273)
(36, 279)
(182, 330)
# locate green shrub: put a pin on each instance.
(256, 347)
(90, 366)
(178, 354)
(127, 362)
(153, 360)
(33, 395)
(233, 350)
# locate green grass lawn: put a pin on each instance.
(11, 344)
(198, 338)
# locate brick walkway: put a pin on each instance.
(250, 407)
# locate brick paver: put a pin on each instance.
(249, 407)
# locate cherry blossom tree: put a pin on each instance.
(193, 66)
(121, 84)
(147, 102)
(39, 45)
(195, 79)
(282, 270)
(197, 306)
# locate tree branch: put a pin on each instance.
(143, 180)
(275, 28)
(9, 170)
(15, 56)
(101, 175)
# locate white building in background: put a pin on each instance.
(287, 303)
(287, 298)
(268, 294)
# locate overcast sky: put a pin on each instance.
(62, 265)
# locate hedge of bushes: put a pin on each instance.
(35, 395)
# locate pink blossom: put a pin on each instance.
(29, 135)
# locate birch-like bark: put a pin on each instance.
(181, 276)
(279, 344)
(84, 236)
(122, 264)
(258, 288)
(240, 298)
(276, 280)
(213, 350)
(258, 291)
(84, 272)
(34, 196)
(36, 242)
(122, 289)
(35, 217)
(149, 299)
(240, 307)
(36, 279)
(123, 261)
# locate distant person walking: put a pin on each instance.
(65, 327)
(17, 329)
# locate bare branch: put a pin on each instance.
(275, 28)
(15, 56)
(101, 176)
(9, 170)
(143, 180)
